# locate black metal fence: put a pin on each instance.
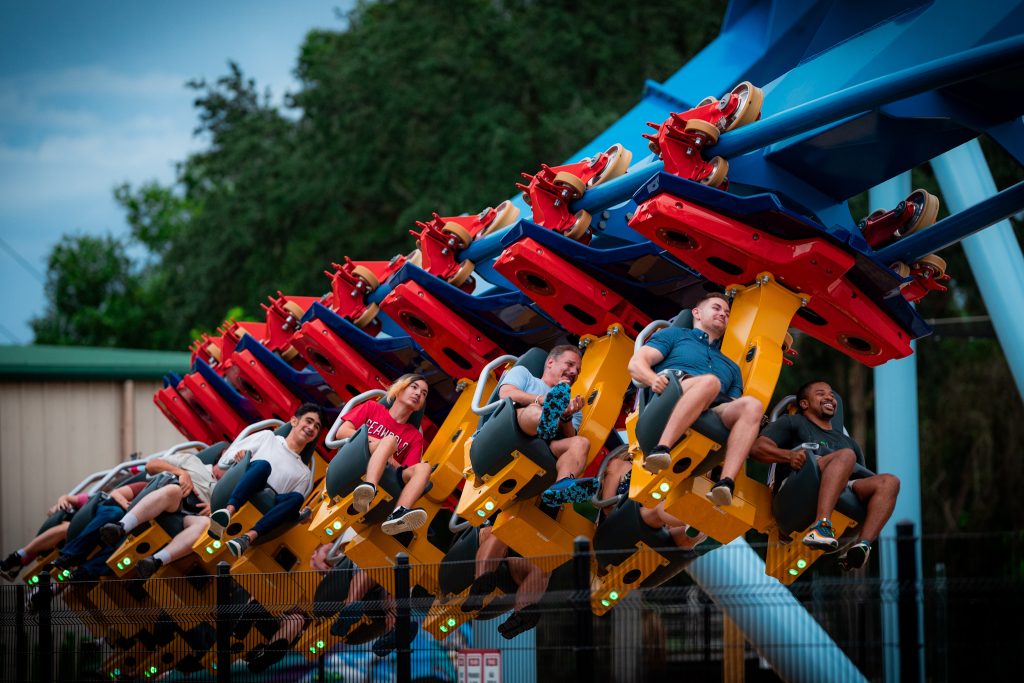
(229, 627)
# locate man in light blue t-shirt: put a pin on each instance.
(545, 409)
(710, 381)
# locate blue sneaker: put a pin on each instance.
(570, 490)
(555, 403)
(822, 536)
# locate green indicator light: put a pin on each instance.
(319, 643)
(329, 531)
(337, 526)
(127, 562)
(451, 621)
(113, 676)
(147, 674)
(444, 629)
(120, 566)
(793, 572)
(35, 579)
(656, 496)
(606, 603)
(613, 595)
(313, 650)
(802, 564)
(152, 669)
(67, 573)
(217, 544)
(117, 672)
(481, 513)
(209, 550)
(664, 487)
(489, 505)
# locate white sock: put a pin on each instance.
(129, 521)
(162, 555)
(21, 552)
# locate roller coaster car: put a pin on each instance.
(507, 465)
(328, 599)
(346, 471)
(682, 136)
(442, 237)
(352, 282)
(551, 189)
(845, 294)
(181, 413)
(795, 506)
(455, 576)
(682, 486)
(580, 303)
(205, 390)
(150, 537)
(629, 553)
(452, 342)
(446, 456)
(279, 549)
(284, 318)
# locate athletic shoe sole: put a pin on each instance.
(656, 462)
(112, 534)
(580, 491)
(362, 497)
(857, 556)
(219, 521)
(721, 496)
(820, 542)
(410, 521)
(555, 403)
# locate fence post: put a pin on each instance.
(402, 616)
(223, 590)
(43, 607)
(906, 573)
(20, 635)
(584, 615)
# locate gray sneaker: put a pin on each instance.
(219, 521)
(363, 496)
(239, 545)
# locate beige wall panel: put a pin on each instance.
(153, 431)
(54, 434)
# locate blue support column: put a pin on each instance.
(994, 254)
(896, 423)
(775, 623)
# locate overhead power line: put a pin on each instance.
(23, 262)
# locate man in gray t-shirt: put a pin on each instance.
(784, 444)
(545, 409)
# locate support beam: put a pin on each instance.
(994, 254)
(775, 623)
(897, 446)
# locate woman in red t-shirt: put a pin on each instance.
(393, 441)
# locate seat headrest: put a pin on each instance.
(684, 319)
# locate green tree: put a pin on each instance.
(93, 295)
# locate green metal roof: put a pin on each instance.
(85, 362)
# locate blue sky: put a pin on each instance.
(92, 94)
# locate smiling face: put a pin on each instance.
(415, 395)
(711, 316)
(565, 367)
(306, 427)
(819, 401)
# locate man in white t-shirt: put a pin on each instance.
(276, 462)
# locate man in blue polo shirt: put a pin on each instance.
(710, 381)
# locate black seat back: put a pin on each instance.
(346, 470)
